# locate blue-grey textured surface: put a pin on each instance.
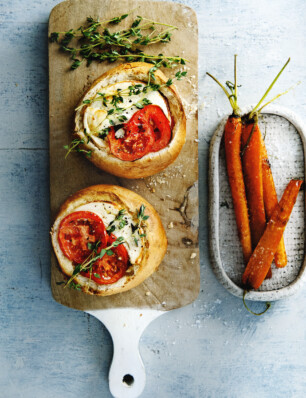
(213, 348)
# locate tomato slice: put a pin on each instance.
(138, 140)
(77, 230)
(109, 269)
(155, 116)
(148, 130)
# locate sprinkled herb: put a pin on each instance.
(142, 103)
(104, 133)
(140, 213)
(119, 217)
(122, 118)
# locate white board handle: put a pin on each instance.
(127, 377)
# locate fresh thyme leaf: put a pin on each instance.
(54, 37)
(76, 64)
(75, 286)
(116, 20)
(110, 111)
(136, 22)
(111, 229)
(109, 252)
(136, 241)
(97, 276)
(179, 75)
(104, 133)
(169, 82)
(122, 224)
(142, 103)
(88, 101)
(122, 118)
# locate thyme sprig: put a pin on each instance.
(103, 45)
(139, 225)
(93, 257)
(74, 146)
(119, 217)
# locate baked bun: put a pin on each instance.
(104, 118)
(117, 220)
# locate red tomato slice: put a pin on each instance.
(109, 269)
(148, 130)
(77, 230)
(155, 116)
(138, 140)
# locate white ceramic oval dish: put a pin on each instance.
(285, 138)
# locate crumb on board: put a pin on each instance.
(193, 255)
(170, 225)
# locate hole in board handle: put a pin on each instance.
(128, 380)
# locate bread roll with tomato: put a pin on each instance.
(107, 240)
(131, 123)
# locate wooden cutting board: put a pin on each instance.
(173, 192)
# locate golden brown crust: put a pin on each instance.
(156, 240)
(151, 163)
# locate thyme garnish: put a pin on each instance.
(95, 42)
(119, 217)
(92, 258)
(74, 147)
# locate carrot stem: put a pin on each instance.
(262, 257)
(269, 89)
(232, 95)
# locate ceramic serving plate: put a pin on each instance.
(285, 138)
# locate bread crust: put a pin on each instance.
(153, 162)
(156, 241)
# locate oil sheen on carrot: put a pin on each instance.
(262, 257)
(252, 171)
(270, 201)
(232, 140)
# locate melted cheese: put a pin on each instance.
(95, 115)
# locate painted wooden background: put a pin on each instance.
(213, 348)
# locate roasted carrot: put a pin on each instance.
(270, 201)
(252, 171)
(262, 257)
(259, 183)
(232, 140)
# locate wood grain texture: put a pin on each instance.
(173, 192)
(212, 348)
